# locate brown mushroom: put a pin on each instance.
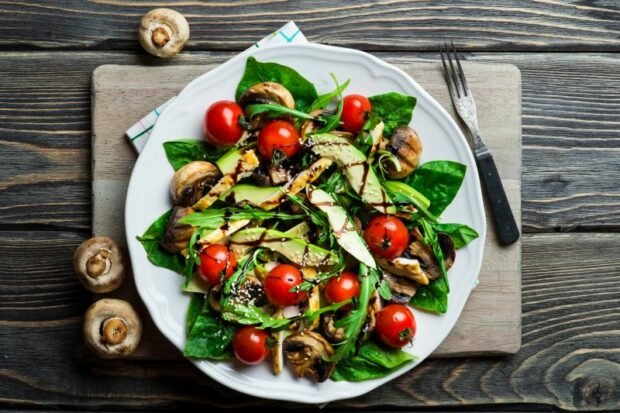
(177, 235)
(310, 126)
(192, 182)
(310, 355)
(374, 306)
(112, 328)
(163, 32)
(424, 253)
(405, 267)
(99, 264)
(403, 289)
(333, 333)
(215, 293)
(267, 92)
(406, 145)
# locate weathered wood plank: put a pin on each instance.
(571, 107)
(384, 25)
(569, 357)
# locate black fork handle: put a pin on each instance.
(505, 224)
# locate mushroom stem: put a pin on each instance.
(99, 263)
(160, 37)
(113, 330)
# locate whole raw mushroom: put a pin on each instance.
(163, 32)
(99, 264)
(112, 328)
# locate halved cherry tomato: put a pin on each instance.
(355, 110)
(216, 261)
(395, 325)
(221, 123)
(339, 289)
(279, 135)
(386, 236)
(278, 284)
(250, 345)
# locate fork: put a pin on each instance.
(463, 100)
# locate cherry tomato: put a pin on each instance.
(278, 283)
(216, 261)
(355, 110)
(341, 288)
(250, 345)
(386, 236)
(279, 135)
(395, 325)
(221, 123)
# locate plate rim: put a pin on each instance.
(206, 366)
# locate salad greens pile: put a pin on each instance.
(311, 209)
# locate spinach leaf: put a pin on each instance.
(302, 90)
(461, 234)
(185, 151)
(439, 181)
(249, 314)
(208, 336)
(155, 253)
(372, 362)
(394, 109)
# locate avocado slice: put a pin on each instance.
(344, 230)
(228, 162)
(295, 250)
(356, 168)
(249, 193)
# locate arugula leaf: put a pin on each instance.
(302, 90)
(208, 336)
(394, 109)
(184, 151)
(461, 234)
(249, 314)
(439, 181)
(332, 121)
(372, 362)
(400, 192)
(276, 110)
(215, 218)
(154, 252)
(354, 321)
(323, 101)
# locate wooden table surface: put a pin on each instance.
(568, 55)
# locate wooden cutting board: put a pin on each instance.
(491, 321)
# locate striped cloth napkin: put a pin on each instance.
(139, 133)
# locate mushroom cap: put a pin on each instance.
(268, 92)
(406, 145)
(177, 236)
(112, 328)
(99, 264)
(163, 32)
(309, 354)
(192, 181)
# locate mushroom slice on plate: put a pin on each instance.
(406, 145)
(112, 328)
(333, 333)
(424, 254)
(246, 164)
(191, 182)
(309, 354)
(268, 92)
(403, 289)
(404, 267)
(374, 306)
(163, 32)
(310, 126)
(99, 264)
(177, 235)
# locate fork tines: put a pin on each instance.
(454, 77)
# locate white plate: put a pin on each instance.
(147, 199)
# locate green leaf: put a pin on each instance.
(154, 252)
(372, 362)
(439, 181)
(332, 121)
(184, 151)
(215, 218)
(323, 101)
(302, 90)
(400, 192)
(461, 234)
(432, 297)
(208, 337)
(276, 110)
(394, 109)
(248, 314)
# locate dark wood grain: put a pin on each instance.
(510, 25)
(571, 106)
(569, 357)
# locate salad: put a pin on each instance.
(306, 228)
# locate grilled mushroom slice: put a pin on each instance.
(192, 181)
(215, 293)
(374, 306)
(333, 333)
(177, 235)
(99, 264)
(163, 32)
(268, 92)
(406, 145)
(310, 126)
(112, 328)
(424, 254)
(309, 353)
(403, 289)
(404, 267)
